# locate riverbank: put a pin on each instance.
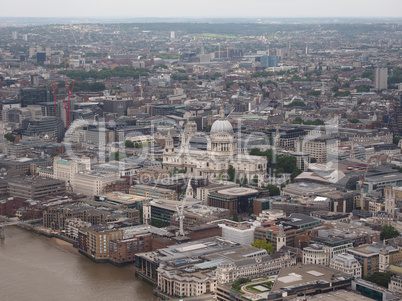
(62, 244)
(52, 237)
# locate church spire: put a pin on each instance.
(189, 190)
(222, 112)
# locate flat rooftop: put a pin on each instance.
(122, 198)
(171, 204)
(210, 249)
(371, 249)
(307, 186)
(238, 191)
(302, 274)
(339, 295)
(34, 181)
(152, 188)
(383, 177)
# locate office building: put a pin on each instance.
(293, 225)
(33, 96)
(48, 127)
(153, 192)
(35, 187)
(92, 183)
(40, 57)
(239, 199)
(369, 257)
(373, 291)
(195, 268)
(307, 279)
(268, 61)
(346, 264)
(240, 232)
(381, 78)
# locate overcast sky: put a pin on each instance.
(201, 8)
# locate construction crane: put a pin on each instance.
(67, 106)
(54, 87)
(180, 218)
(377, 158)
(51, 63)
(180, 208)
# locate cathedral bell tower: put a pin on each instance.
(169, 147)
(383, 258)
(280, 238)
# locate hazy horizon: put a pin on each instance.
(205, 9)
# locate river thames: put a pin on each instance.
(33, 267)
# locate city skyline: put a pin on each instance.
(205, 9)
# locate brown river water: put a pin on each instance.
(37, 268)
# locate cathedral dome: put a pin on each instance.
(221, 126)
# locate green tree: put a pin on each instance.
(313, 160)
(237, 284)
(295, 173)
(9, 137)
(396, 140)
(129, 144)
(298, 120)
(382, 279)
(179, 77)
(286, 164)
(263, 244)
(244, 181)
(262, 74)
(368, 74)
(168, 56)
(161, 66)
(231, 173)
(221, 176)
(354, 120)
(235, 216)
(115, 156)
(254, 180)
(314, 93)
(388, 232)
(282, 164)
(342, 94)
(314, 122)
(176, 170)
(273, 190)
(297, 103)
(363, 88)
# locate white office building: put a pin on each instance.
(381, 78)
(242, 233)
(347, 264)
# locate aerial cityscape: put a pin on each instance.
(212, 156)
